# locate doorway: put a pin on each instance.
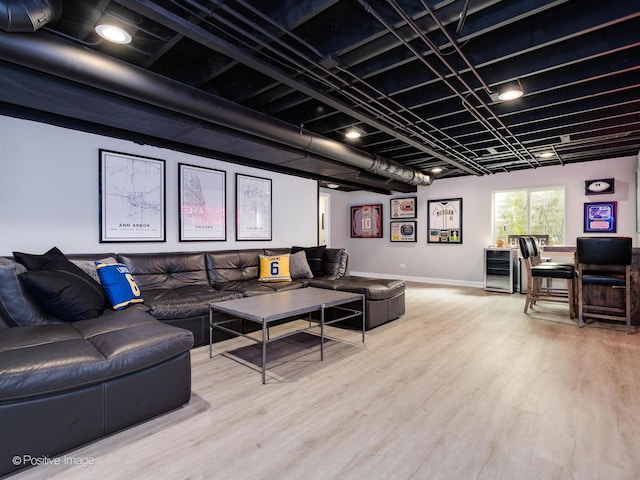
(324, 224)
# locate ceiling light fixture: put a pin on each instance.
(510, 94)
(333, 185)
(510, 91)
(437, 170)
(352, 133)
(113, 34)
(546, 154)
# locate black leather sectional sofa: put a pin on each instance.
(63, 384)
(178, 287)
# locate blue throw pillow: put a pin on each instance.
(117, 281)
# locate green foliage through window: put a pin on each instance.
(534, 211)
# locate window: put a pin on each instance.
(533, 211)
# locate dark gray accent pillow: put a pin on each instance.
(17, 307)
(89, 266)
(298, 266)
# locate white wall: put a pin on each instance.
(49, 194)
(462, 264)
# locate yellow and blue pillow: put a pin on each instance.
(119, 285)
(274, 268)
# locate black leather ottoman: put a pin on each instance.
(384, 298)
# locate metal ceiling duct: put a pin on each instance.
(51, 55)
(28, 15)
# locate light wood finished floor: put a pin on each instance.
(464, 386)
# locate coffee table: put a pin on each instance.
(264, 309)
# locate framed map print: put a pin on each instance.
(202, 203)
(132, 198)
(444, 221)
(366, 221)
(253, 208)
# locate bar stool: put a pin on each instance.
(536, 272)
(606, 262)
(536, 259)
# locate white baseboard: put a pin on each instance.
(407, 278)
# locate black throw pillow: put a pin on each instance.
(315, 258)
(37, 262)
(63, 289)
(64, 295)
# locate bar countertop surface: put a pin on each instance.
(572, 248)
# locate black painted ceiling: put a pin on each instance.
(418, 78)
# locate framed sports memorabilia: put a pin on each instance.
(444, 221)
(403, 207)
(202, 204)
(600, 186)
(366, 221)
(132, 198)
(403, 231)
(600, 217)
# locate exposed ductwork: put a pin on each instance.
(51, 55)
(28, 15)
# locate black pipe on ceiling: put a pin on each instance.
(28, 15)
(51, 55)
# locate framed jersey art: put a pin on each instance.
(444, 221)
(366, 221)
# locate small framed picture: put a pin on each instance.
(600, 217)
(403, 231)
(600, 186)
(366, 221)
(403, 207)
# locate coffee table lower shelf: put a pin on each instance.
(268, 308)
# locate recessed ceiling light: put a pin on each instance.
(353, 134)
(510, 94)
(437, 169)
(333, 185)
(546, 154)
(113, 34)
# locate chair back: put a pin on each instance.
(524, 247)
(533, 246)
(529, 250)
(604, 250)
